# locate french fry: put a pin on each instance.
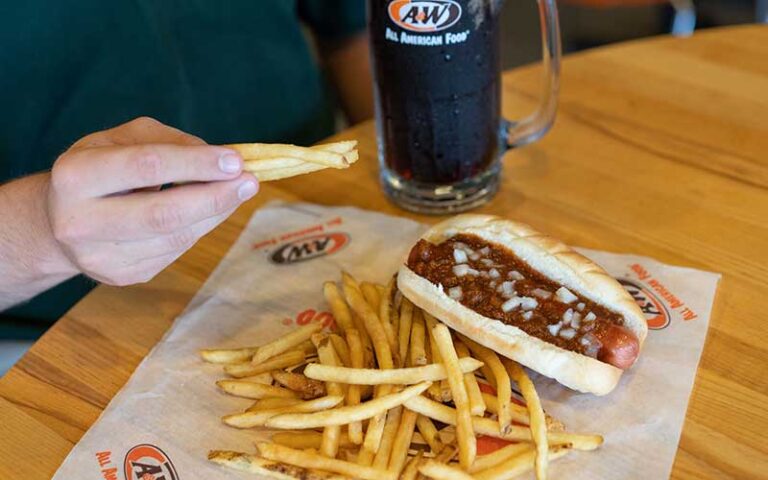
(385, 306)
(228, 355)
(517, 465)
(267, 468)
(341, 348)
(287, 359)
(488, 376)
(277, 163)
(246, 389)
(429, 433)
(259, 151)
(343, 147)
(381, 347)
(536, 413)
(402, 441)
(518, 413)
(264, 377)
(411, 470)
(503, 385)
(339, 307)
(286, 342)
(381, 459)
(374, 432)
(272, 402)
(447, 454)
(315, 461)
(306, 439)
(370, 320)
(355, 429)
(371, 294)
(258, 417)
(439, 391)
(346, 414)
(331, 433)
(496, 457)
(441, 471)
(418, 340)
(486, 426)
(476, 402)
(404, 329)
(397, 376)
(464, 430)
(305, 387)
(274, 174)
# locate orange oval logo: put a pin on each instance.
(424, 16)
(308, 248)
(148, 462)
(656, 313)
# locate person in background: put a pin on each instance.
(82, 202)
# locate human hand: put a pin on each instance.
(108, 214)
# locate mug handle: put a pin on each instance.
(537, 124)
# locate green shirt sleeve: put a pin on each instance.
(333, 19)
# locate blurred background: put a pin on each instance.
(591, 23)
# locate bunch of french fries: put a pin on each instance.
(389, 393)
(272, 161)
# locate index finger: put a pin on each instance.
(107, 170)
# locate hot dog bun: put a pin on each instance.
(556, 261)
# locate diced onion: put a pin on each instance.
(494, 273)
(527, 315)
(541, 293)
(487, 262)
(485, 251)
(528, 303)
(460, 256)
(590, 317)
(567, 333)
(455, 293)
(580, 306)
(565, 295)
(515, 275)
(554, 328)
(464, 269)
(576, 320)
(511, 304)
(508, 289)
(568, 316)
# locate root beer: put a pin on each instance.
(437, 80)
(436, 66)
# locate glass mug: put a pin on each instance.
(437, 81)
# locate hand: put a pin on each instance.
(108, 214)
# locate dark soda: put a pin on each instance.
(437, 76)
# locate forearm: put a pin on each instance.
(31, 260)
(349, 66)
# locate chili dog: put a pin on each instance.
(527, 296)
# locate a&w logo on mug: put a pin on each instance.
(148, 462)
(423, 15)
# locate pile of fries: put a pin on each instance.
(389, 393)
(271, 161)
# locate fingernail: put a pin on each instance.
(246, 190)
(229, 163)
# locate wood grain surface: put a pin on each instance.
(659, 149)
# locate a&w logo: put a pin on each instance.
(147, 462)
(308, 248)
(423, 15)
(656, 313)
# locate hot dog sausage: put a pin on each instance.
(620, 347)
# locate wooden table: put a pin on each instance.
(659, 149)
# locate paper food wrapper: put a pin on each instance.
(161, 425)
